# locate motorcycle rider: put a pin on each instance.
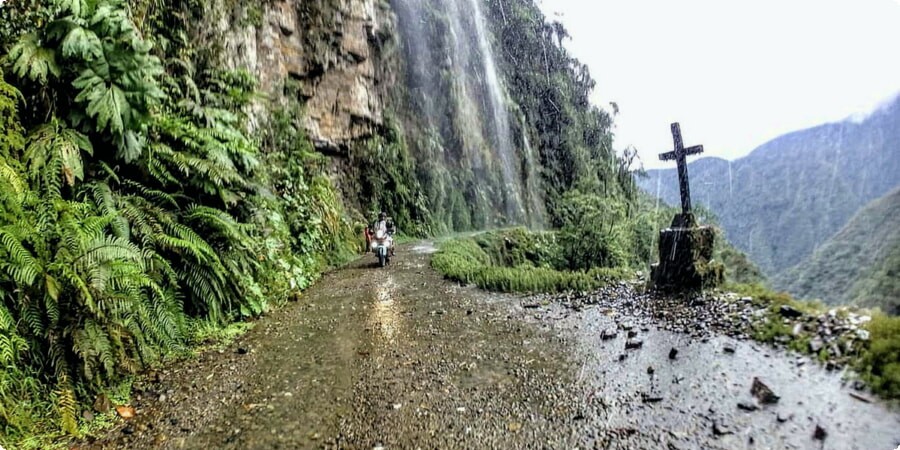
(384, 227)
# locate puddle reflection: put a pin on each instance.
(385, 318)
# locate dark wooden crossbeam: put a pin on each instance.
(680, 156)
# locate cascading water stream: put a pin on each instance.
(499, 116)
(455, 84)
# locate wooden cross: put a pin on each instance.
(680, 156)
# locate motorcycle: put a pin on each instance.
(380, 245)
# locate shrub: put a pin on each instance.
(879, 364)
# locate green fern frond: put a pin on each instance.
(21, 265)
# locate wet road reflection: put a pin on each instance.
(386, 318)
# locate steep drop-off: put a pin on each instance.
(788, 196)
(859, 265)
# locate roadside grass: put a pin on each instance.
(516, 261)
(44, 432)
(206, 335)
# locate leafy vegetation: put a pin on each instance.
(880, 363)
(136, 205)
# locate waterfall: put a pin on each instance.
(455, 89)
(533, 188)
(500, 117)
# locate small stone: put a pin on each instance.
(650, 370)
(820, 434)
(608, 334)
(125, 412)
(789, 312)
(763, 393)
(673, 353)
(633, 344)
(748, 405)
(815, 345)
(102, 404)
(88, 416)
(783, 417)
(129, 430)
(728, 348)
(242, 351)
(860, 397)
(720, 428)
(632, 334)
(622, 357)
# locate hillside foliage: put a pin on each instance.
(859, 265)
(135, 203)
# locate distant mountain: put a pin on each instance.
(860, 264)
(791, 194)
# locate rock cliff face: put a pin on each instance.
(330, 50)
(426, 108)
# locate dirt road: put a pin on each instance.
(399, 358)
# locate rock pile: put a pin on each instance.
(834, 336)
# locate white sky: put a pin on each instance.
(734, 73)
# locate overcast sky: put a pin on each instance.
(734, 73)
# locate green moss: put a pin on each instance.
(770, 329)
(206, 335)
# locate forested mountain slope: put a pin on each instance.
(859, 265)
(791, 194)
